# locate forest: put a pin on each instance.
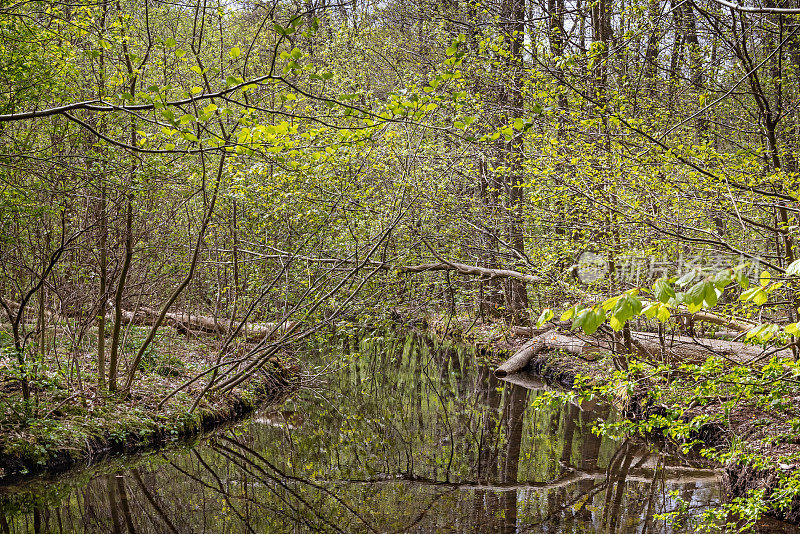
(196, 194)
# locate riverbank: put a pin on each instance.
(761, 447)
(754, 442)
(405, 433)
(69, 422)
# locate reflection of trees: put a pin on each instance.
(617, 474)
(259, 468)
(489, 398)
(118, 503)
(515, 419)
(412, 437)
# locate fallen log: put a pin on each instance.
(739, 325)
(186, 322)
(645, 345)
(648, 345)
(730, 335)
(536, 331)
(579, 346)
(521, 358)
(690, 348)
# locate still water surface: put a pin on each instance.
(402, 436)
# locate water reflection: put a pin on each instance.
(405, 437)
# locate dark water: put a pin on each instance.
(403, 437)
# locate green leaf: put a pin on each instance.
(627, 306)
(693, 308)
(749, 294)
(686, 278)
(171, 42)
(580, 318)
(546, 315)
(764, 279)
(663, 291)
(755, 331)
(696, 294)
(283, 31)
(723, 279)
(567, 315)
(235, 52)
(773, 287)
(763, 332)
(594, 319)
(636, 304)
(794, 268)
(742, 280)
(608, 304)
(761, 297)
(710, 295)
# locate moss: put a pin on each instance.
(81, 436)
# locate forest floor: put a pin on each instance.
(69, 421)
(762, 431)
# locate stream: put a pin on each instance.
(400, 435)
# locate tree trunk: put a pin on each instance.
(644, 345)
(511, 100)
(113, 360)
(520, 360)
